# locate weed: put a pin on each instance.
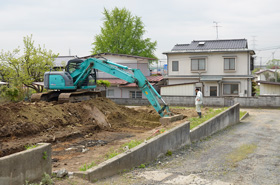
(242, 113)
(112, 154)
(212, 112)
(168, 153)
(46, 180)
(45, 155)
(142, 166)
(132, 144)
(27, 147)
(85, 167)
(240, 153)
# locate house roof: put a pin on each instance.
(114, 54)
(267, 82)
(61, 61)
(269, 70)
(212, 45)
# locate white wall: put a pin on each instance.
(214, 63)
(268, 89)
(178, 90)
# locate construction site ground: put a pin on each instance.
(80, 133)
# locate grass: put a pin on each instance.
(132, 144)
(240, 153)
(129, 145)
(242, 113)
(85, 167)
(28, 147)
(195, 121)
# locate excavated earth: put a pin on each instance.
(80, 133)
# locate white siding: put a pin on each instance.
(178, 90)
(214, 63)
(268, 89)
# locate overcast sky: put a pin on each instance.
(61, 25)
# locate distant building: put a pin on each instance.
(120, 88)
(269, 88)
(217, 67)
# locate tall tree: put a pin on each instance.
(122, 33)
(27, 68)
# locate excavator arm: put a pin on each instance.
(137, 77)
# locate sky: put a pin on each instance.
(69, 26)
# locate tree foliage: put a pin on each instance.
(273, 64)
(23, 70)
(122, 33)
(104, 83)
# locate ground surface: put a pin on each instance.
(247, 153)
(80, 133)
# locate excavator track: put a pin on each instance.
(78, 96)
(66, 97)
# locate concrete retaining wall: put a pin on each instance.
(141, 154)
(248, 102)
(28, 165)
(215, 124)
(159, 145)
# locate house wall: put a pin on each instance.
(268, 89)
(181, 80)
(178, 90)
(214, 63)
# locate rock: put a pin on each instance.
(61, 173)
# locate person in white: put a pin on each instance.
(198, 101)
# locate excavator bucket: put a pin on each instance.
(169, 119)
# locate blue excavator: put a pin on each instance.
(73, 84)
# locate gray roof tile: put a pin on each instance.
(212, 45)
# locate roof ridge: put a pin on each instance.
(217, 40)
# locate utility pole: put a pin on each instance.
(254, 42)
(217, 26)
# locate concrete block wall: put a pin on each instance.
(28, 165)
(215, 124)
(246, 102)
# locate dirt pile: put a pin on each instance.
(25, 119)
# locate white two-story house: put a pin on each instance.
(217, 67)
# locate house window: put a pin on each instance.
(230, 89)
(229, 63)
(175, 65)
(135, 94)
(110, 93)
(198, 64)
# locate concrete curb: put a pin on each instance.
(28, 165)
(245, 116)
(146, 152)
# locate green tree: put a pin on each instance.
(273, 64)
(23, 70)
(104, 83)
(122, 33)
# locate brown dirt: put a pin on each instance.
(79, 132)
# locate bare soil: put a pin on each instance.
(80, 133)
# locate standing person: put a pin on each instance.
(198, 101)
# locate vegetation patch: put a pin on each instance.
(85, 167)
(242, 113)
(28, 147)
(195, 121)
(132, 144)
(240, 154)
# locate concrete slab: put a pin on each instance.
(168, 120)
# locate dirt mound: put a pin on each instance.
(25, 119)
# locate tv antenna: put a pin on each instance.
(217, 27)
